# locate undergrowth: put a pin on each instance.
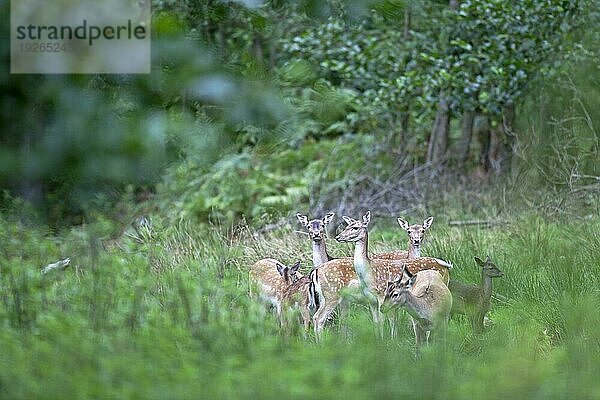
(168, 316)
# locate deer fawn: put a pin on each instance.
(296, 296)
(426, 298)
(272, 278)
(373, 274)
(475, 300)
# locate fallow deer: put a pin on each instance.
(475, 300)
(426, 298)
(333, 277)
(296, 296)
(271, 279)
(317, 232)
(416, 233)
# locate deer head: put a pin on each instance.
(316, 227)
(415, 232)
(289, 274)
(356, 230)
(395, 293)
(489, 268)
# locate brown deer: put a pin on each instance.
(335, 276)
(475, 300)
(296, 297)
(271, 279)
(317, 232)
(370, 275)
(426, 298)
(416, 234)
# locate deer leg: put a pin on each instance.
(280, 316)
(441, 332)
(393, 318)
(322, 314)
(377, 318)
(418, 332)
(344, 311)
(478, 321)
(305, 314)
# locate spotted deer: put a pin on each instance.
(475, 300)
(426, 298)
(416, 233)
(373, 274)
(317, 232)
(270, 278)
(335, 276)
(296, 297)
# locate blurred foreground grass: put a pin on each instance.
(168, 316)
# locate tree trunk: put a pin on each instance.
(481, 130)
(406, 30)
(464, 145)
(404, 119)
(438, 141)
(508, 139)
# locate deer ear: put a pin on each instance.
(328, 218)
(348, 220)
(427, 223)
(295, 267)
(367, 218)
(488, 259)
(302, 219)
(403, 224)
(479, 261)
(280, 268)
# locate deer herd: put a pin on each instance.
(384, 281)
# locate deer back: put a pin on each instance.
(391, 255)
(335, 275)
(268, 280)
(427, 263)
(297, 292)
(431, 288)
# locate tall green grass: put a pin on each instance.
(169, 317)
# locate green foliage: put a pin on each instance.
(367, 55)
(496, 48)
(171, 317)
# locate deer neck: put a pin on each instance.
(320, 255)
(362, 263)
(486, 285)
(416, 306)
(413, 251)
